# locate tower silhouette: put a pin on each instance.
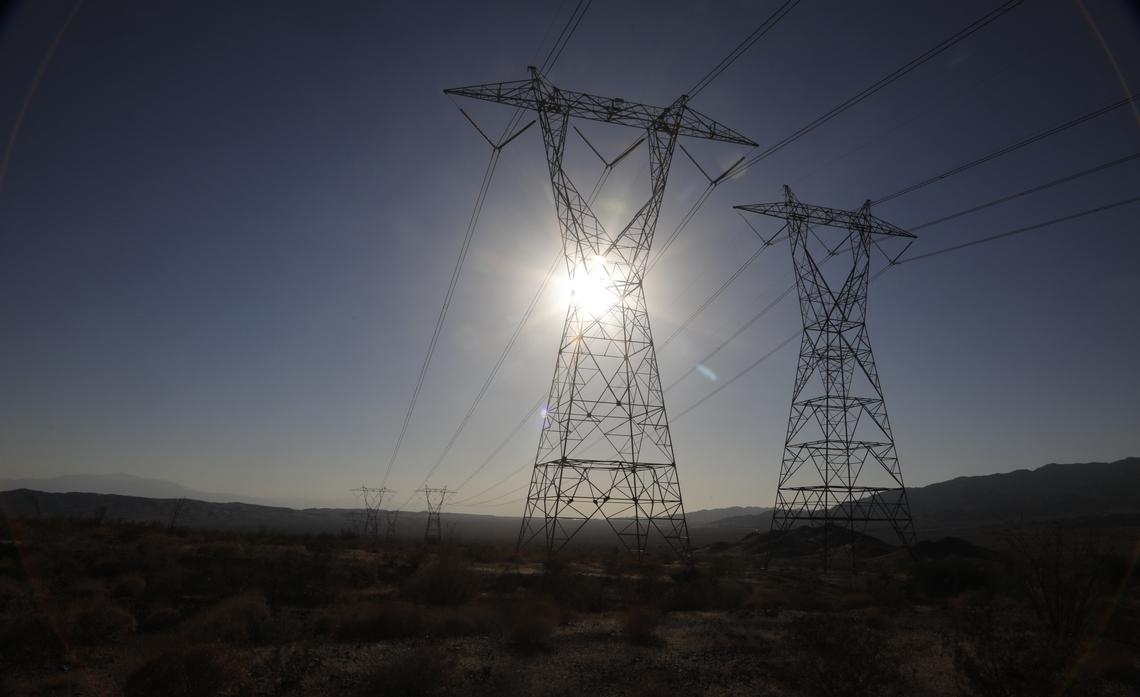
(435, 496)
(605, 449)
(839, 468)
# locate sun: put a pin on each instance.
(592, 286)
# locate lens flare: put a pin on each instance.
(592, 287)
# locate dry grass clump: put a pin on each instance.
(640, 625)
(239, 618)
(418, 672)
(198, 671)
(840, 656)
(129, 586)
(28, 638)
(382, 622)
(159, 618)
(532, 624)
(441, 580)
(100, 622)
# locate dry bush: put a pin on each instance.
(101, 622)
(129, 586)
(995, 656)
(640, 625)
(532, 623)
(841, 656)
(28, 638)
(198, 671)
(693, 589)
(1063, 572)
(160, 618)
(578, 591)
(463, 620)
(239, 618)
(442, 580)
(71, 684)
(383, 622)
(418, 672)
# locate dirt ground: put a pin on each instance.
(110, 609)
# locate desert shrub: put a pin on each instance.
(463, 620)
(842, 657)
(996, 659)
(28, 638)
(1063, 572)
(948, 577)
(239, 618)
(62, 685)
(578, 591)
(15, 596)
(640, 625)
(383, 622)
(531, 624)
(693, 589)
(442, 580)
(418, 672)
(160, 618)
(129, 586)
(102, 622)
(198, 671)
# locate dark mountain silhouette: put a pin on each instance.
(1087, 490)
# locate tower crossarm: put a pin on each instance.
(822, 215)
(536, 94)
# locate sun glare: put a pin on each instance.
(591, 287)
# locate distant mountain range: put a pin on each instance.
(124, 484)
(1093, 489)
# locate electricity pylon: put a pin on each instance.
(435, 497)
(605, 448)
(390, 518)
(838, 423)
(369, 515)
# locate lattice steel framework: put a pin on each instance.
(605, 449)
(390, 519)
(839, 468)
(435, 497)
(370, 499)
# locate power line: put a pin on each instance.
(480, 198)
(951, 41)
(927, 255)
(724, 286)
(1047, 185)
(889, 78)
(742, 47)
(1020, 230)
(564, 37)
(1007, 149)
(870, 90)
(551, 59)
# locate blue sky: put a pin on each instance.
(228, 227)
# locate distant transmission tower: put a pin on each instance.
(839, 470)
(390, 518)
(370, 498)
(605, 448)
(435, 498)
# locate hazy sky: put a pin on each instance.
(228, 226)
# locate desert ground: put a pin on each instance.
(91, 608)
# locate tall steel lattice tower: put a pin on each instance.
(435, 496)
(839, 468)
(605, 449)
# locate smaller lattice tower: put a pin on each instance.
(390, 518)
(435, 497)
(840, 472)
(368, 514)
